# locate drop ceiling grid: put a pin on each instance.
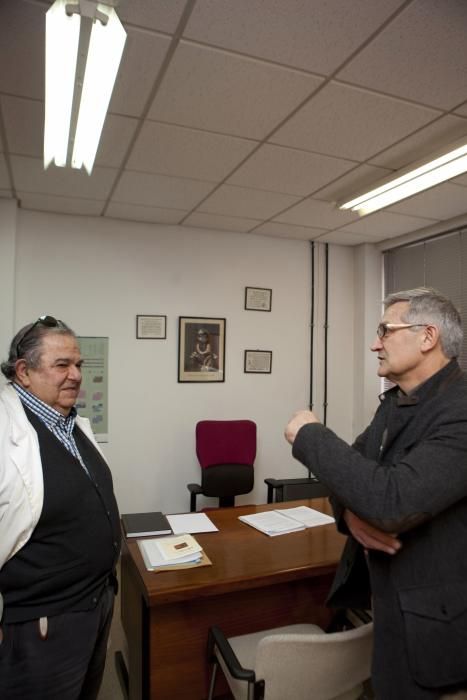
(218, 91)
(204, 155)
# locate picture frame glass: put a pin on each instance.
(258, 299)
(258, 361)
(151, 327)
(201, 353)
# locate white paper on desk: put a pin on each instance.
(191, 522)
(308, 516)
(272, 522)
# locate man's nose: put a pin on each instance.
(74, 373)
(376, 344)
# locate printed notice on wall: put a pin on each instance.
(93, 398)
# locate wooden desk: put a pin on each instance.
(256, 582)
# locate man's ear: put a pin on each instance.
(430, 338)
(22, 373)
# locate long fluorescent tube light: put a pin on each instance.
(84, 46)
(61, 52)
(411, 180)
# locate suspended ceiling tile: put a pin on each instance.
(419, 146)
(387, 224)
(314, 36)
(223, 223)
(217, 91)
(5, 194)
(142, 59)
(175, 150)
(29, 177)
(364, 176)
(4, 177)
(348, 238)
(462, 109)
(461, 180)
(155, 215)
(288, 170)
(22, 52)
(115, 140)
(162, 15)
(352, 123)
(62, 205)
(160, 191)
(443, 202)
(238, 201)
(419, 56)
(315, 213)
(271, 228)
(24, 125)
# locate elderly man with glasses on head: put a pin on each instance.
(400, 493)
(59, 525)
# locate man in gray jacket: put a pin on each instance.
(400, 492)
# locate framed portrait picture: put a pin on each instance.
(201, 349)
(151, 327)
(258, 361)
(258, 299)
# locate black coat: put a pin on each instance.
(407, 474)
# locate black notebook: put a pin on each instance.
(142, 524)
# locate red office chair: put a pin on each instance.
(226, 451)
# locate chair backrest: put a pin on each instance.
(319, 666)
(225, 442)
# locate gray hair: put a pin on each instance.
(427, 305)
(27, 345)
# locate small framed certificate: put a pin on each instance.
(258, 299)
(151, 327)
(258, 361)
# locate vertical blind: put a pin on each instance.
(440, 263)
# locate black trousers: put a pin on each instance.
(56, 658)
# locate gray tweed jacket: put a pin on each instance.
(406, 473)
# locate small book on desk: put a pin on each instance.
(280, 522)
(142, 524)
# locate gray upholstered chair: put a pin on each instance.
(299, 661)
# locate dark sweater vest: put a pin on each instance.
(72, 553)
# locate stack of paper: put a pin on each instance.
(163, 552)
(279, 522)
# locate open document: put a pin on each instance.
(280, 522)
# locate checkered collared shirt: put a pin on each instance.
(61, 426)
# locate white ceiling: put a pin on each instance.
(251, 115)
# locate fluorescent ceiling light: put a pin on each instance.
(84, 46)
(412, 180)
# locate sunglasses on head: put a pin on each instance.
(48, 321)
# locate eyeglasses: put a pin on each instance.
(48, 321)
(384, 328)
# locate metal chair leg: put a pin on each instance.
(213, 681)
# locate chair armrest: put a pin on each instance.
(217, 639)
(271, 484)
(194, 488)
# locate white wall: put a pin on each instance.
(7, 271)
(98, 274)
